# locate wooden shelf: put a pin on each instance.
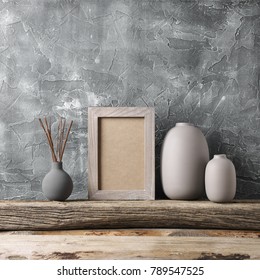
(47, 215)
(160, 229)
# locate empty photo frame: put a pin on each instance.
(121, 153)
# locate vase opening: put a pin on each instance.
(184, 124)
(220, 156)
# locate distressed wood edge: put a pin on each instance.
(145, 232)
(127, 247)
(50, 215)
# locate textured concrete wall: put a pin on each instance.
(196, 61)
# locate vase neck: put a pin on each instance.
(220, 156)
(57, 165)
(184, 124)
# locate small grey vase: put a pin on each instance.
(220, 179)
(57, 184)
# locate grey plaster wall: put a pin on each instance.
(196, 61)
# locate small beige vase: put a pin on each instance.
(220, 179)
(184, 157)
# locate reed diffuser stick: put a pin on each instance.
(49, 141)
(57, 140)
(60, 141)
(65, 142)
(63, 123)
(50, 137)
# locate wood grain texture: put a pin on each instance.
(148, 191)
(126, 247)
(50, 215)
(145, 232)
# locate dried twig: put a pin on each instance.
(62, 137)
(65, 142)
(49, 140)
(60, 141)
(57, 140)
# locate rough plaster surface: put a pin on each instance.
(196, 61)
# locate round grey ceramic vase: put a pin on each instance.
(220, 179)
(57, 184)
(184, 157)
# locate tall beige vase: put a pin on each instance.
(220, 179)
(184, 157)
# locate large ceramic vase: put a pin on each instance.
(57, 184)
(184, 157)
(220, 179)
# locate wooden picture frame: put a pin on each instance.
(121, 153)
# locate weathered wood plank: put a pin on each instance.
(127, 247)
(47, 215)
(145, 232)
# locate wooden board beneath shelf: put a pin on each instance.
(50, 215)
(131, 244)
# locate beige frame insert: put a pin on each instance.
(121, 153)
